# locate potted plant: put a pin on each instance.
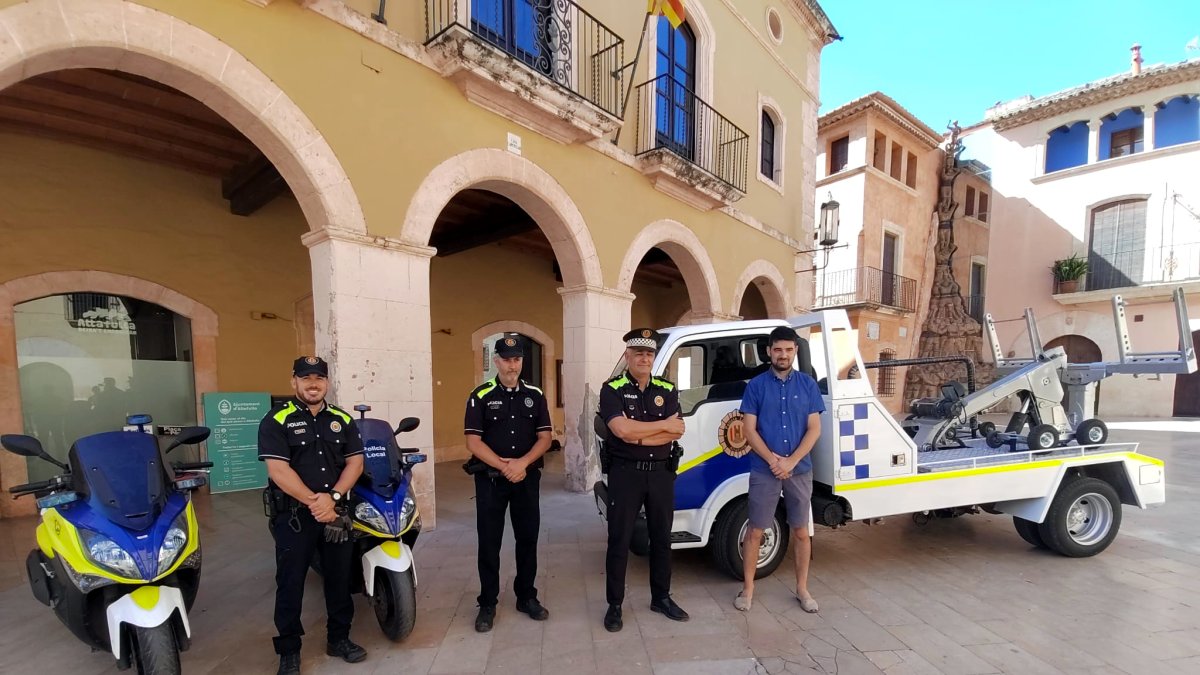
(1068, 272)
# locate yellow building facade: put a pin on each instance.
(250, 180)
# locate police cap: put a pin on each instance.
(310, 365)
(643, 338)
(509, 346)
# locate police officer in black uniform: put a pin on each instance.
(507, 430)
(643, 416)
(314, 456)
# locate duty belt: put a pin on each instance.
(641, 465)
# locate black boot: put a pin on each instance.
(487, 616)
(289, 664)
(612, 619)
(350, 652)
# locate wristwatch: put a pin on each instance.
(337, 496)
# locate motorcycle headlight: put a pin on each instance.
(407, 511)
(107, 554)
(371, 517)
(173, 543)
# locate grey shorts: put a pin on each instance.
(764, 497)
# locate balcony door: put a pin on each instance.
(523, 28)
(888, 283)
(675, 100)
(1117, 250)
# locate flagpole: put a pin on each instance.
(632, 74)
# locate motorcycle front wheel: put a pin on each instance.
(395, 603)
(155, 650)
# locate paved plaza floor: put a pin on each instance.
(963, 595)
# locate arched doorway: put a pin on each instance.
(670, 274)
(760, 293)
(1187, 390)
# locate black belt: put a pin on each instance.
(641, 465)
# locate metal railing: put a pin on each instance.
(672, 117)
(866, 285)
(974, 307)
(1143, 266)
(556, 39)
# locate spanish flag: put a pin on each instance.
(672, 9)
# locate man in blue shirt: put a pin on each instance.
(782, 409)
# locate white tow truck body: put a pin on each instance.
(866, 465)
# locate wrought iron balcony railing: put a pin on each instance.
(672, 117)
(556, 39)
(1138, 267)
(866, 285)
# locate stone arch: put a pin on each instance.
(689, 256)
(24, 289)
(49, 35)
(769, 282)
(549, 352)
(526, 184)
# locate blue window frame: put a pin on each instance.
(675, 98)
(512, 25)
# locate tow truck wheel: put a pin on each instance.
(726, 541)
(994, 439)
(1091, 432)
(1029, 532)
(1043, 437)
(986, 429)
(1083, 518)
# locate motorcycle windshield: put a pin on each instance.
(381, 457)
(122, 476)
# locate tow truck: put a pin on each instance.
(1051, 468)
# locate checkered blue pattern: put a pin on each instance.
(853, 438)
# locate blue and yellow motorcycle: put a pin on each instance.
(118, 546)
(386, 523)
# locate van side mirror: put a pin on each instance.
(407, 424)
(189, 436)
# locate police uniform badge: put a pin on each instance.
(646, 333)
(731, 434)
(658, 401)
(510, 342)
(312, 360)
(335, 426)
(528, 402)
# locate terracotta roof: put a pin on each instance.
(887, 106)
(1098, 91)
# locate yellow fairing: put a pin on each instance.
(57, 536)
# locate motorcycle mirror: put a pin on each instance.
(28, 446)
(189, 436)
(407, 424)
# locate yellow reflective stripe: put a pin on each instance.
(339, 413)
(663, 383)
(282, 414)
(699, 460)
(619, 382)
(986, 470)
(487, 388)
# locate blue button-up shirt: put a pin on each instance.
(782, 408)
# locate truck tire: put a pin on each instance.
(986, 429)
(726, 541)
(1043, 437)
(1083, 518)
(1091, 432)
(1029, 532)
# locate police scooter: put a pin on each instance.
(118, 546)
(386, 523)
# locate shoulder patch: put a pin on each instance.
(340, 413)
(486, 388)
(665, 384)
(618, 382)
(282, 414)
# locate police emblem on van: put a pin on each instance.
(731, 434)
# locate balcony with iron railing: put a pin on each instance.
(546, 64)
(1145, 273)
(687, 148)
(867, 286)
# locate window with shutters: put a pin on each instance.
(1117, 249)
(839, 154)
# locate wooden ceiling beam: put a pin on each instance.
(107, 145)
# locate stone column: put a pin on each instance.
(371, 307)
(1093, 141)
(1148, 128)
(594, 319)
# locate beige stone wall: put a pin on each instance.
(72, 208)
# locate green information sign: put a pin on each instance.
(233, 445)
